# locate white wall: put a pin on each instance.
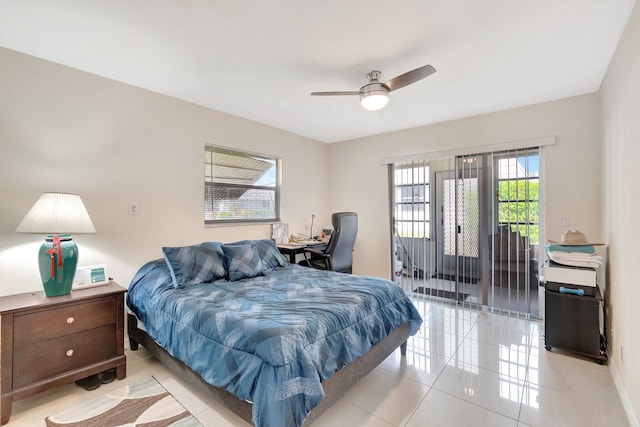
(66, 130)
(620, 93)
(572, 166)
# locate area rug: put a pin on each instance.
(145, 404)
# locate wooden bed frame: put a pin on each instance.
(335, 387)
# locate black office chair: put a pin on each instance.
(337, 255)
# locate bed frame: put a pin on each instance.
(334, 388)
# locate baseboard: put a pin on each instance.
(624, 398)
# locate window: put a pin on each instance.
(411, 200)
(518, 184)
(240, 186)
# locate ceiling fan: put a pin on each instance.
(375, 94)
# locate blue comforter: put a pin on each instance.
(273, 338)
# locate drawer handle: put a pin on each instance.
(69, 352)
(70, 320)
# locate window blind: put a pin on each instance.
(240, 186)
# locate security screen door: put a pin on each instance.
(458, 234)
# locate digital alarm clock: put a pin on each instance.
(91, 275)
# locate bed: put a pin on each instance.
(277, 343)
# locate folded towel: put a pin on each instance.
(575, 262)
(588, 249)
(577, 256)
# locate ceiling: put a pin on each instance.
(260, 59)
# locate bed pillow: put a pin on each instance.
(192, 265)
(243, 261)
(268, 251)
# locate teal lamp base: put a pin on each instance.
(58, 259)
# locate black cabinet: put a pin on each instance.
(572, 323)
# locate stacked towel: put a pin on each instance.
(575, 256)
(586, 249)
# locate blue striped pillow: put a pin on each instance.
(268, 251)
(192, 265)
(243, 261)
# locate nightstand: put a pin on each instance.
(47, 342)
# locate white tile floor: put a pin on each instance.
(464, 368)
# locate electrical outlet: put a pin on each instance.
(133, 208)
(564, 221)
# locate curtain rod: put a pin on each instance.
(500, 146)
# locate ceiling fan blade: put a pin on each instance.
(350, 92)
(410, 77)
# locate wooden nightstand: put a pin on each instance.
(48, 342)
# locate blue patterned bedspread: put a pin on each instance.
(273, 338)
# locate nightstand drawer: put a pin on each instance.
(46, 324)
(48, 358)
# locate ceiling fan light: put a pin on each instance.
(374, 96)
(374, 100)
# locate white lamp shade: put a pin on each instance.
(57, 213)
(374, 100)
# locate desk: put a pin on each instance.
(292, 250)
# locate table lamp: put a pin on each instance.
(57, 215)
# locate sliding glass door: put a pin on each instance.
(466, 228)
(515, 235)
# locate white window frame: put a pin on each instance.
(240, 172)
